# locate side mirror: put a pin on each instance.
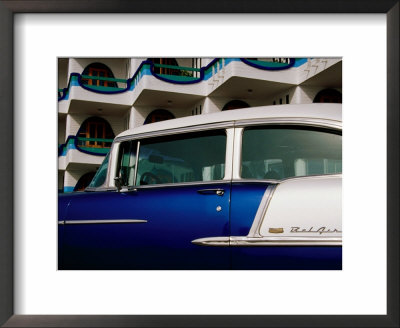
(118, 183)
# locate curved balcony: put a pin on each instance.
(90, 146)
(270, 65)
(176, 74)
(171, 74)
(104, 85)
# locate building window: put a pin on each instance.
(95, 132)
(235, 104)
(98, 70)
(287, 99)
(158, 115)
(328, 96)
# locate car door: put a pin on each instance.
(283, 184)
(173, 190)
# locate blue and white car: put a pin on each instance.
(255, 188)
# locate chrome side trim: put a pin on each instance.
(285, 241)
(160, 133)
(212, 241)
(101, 221)
(238, 241)
(262, 209)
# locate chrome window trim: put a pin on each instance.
(136, 163)
(229, 153)
(274, 181)
(189, 129)
(237, 153)
(316, 122)
(180, 184)
(114, 165)
(68, 222)
(165, 185)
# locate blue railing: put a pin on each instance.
(101, 146)
(167, 73)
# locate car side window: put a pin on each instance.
(182, 158)
(278, 152)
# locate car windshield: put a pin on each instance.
(101, 174)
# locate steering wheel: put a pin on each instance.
(149, 178)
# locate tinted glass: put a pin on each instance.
(280, 152)
(101, 174)
(184, 158)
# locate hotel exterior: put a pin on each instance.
(98, 98)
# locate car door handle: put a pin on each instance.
(217, 191)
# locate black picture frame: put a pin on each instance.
(7, 192)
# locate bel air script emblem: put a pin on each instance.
(320, 230)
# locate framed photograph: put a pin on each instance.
(97, 55)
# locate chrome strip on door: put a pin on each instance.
(101, 221)
(238, 241)
(212, 241)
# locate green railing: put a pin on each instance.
(85, 80)
(268, 63)
(95, 139)
(181, 68)
(177, 73)
(102, 149)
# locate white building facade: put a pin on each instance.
(98, 98)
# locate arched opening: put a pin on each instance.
(158, 115)
(95, 132)
(165, 62)
(98, 70)
(235, 104)
(84, 181)
(328, 96)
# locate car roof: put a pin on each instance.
(315, 111)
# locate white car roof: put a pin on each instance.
(315, 111)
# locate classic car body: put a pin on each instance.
(256, 188)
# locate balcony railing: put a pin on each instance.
(101, 83)
(283, 63)
(94, 145)
(91, 146)
(170, 74)
(176, 73)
